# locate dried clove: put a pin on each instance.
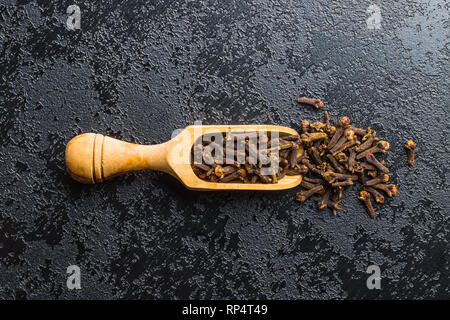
(314, 180)
(327, 121)
(304, 125)
(317, 103)
(364, 196)
(311, 137)
(410, 146)
(368, 139)
(348, 135)
(341, 176)
(315, 155)
(202, 166)
(351, 163)
(335, 163)
(345, 183)
(367, 166)
(379, 198)
(381, 146)
(304, 195)
(341, 125)
(239, 174)
(380, 179)
(327, 201)
(389, 189)
(358, 131)
(372, 160)
(307, 185)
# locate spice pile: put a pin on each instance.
(267, 167)
(331, 158)
(339, 156)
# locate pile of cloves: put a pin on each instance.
(331, 158)
(255, 157)
(339, 156)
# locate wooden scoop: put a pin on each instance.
(93, 158)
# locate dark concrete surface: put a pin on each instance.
(137, 70)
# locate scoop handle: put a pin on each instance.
(92, 157)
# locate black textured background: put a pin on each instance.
(137, 70)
